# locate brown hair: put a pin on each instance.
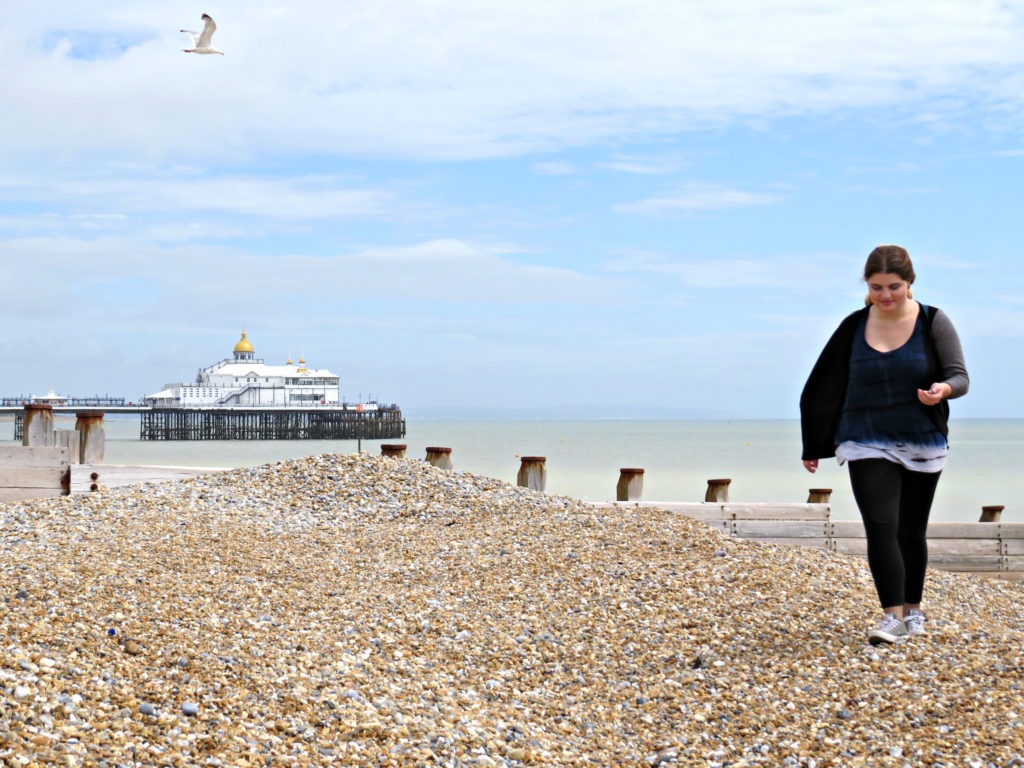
(889, 260)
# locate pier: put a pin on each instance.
(323, 423)
(341, 421)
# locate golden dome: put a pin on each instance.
(243, 345)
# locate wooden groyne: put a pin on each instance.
(992, 549)
(989, 547)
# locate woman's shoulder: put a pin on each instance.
(855, 316)
(935, 315)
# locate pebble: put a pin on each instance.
(359, 610)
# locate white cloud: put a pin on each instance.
(556, 168)
(697, 198)
(643, 166)
(212, 279)
(796, 274)
(443, 79)
(295, 198)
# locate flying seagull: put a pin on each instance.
(201, 40)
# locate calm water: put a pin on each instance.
(584, 458)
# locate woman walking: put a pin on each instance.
(876, 400)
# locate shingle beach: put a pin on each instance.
(372, 611)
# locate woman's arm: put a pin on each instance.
(950, 354)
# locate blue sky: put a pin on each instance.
(617, 207)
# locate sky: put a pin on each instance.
(546, 208)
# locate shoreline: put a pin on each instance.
(120, 475)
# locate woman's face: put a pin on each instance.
(888, 291)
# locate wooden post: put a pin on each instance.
(631, 484)
(70, 439)
(396, 450)
(38, 425)
(532, 473)
(440, 457)
(819, 495)
(718, 490)
(93, 435)
(991, 514)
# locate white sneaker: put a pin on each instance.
(891, 630)
(914, 620)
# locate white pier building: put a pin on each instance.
(245, 380)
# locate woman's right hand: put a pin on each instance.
(811, 465)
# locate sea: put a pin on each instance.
(583, 457)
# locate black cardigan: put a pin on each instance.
(824, 394)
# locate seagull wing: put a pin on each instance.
(207, 33)
(193, 35)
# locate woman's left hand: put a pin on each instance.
(935, 394)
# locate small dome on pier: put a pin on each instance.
(243, 345)
(243, 349)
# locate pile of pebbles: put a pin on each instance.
(373, 611)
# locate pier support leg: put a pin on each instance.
(631, 484)
(532, 473)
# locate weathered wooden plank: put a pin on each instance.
(850, 546)
(692, 508)
(724, 526)
(846, 529)
(770, 511)
(790, 529)
(32, 456)
(1013, 563)
(72, 440)
(962, 530)
(939, 548)
(32, 472)
(1011, 530)
(32, 477)
(698, 510)
(976, 552)
(1013, 547)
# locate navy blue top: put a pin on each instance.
(881, 407)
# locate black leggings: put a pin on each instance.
(894, 505)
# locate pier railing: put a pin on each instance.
(271, 424)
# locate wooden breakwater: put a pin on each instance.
(989, 547)
(992, 548)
